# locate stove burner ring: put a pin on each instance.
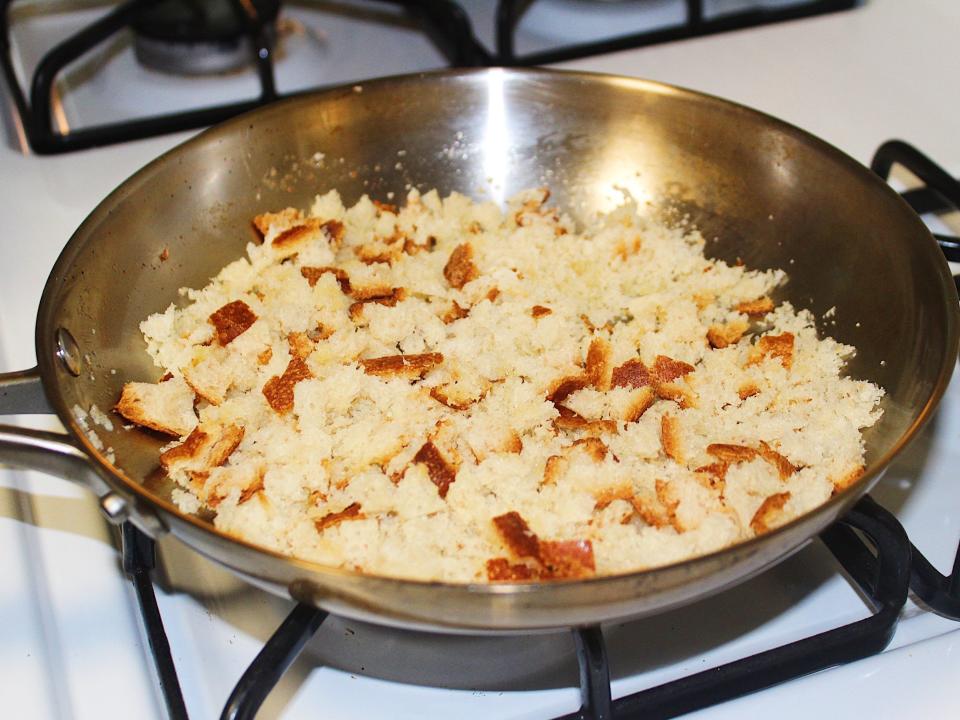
(201, 37)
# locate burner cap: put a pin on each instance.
(199, 37)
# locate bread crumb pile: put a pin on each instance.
(452, 391)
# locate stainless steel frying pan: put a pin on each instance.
(771, 195)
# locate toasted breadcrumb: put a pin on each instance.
(848, 478)
(779, 347)
(731, 453)
(554, 468)
(550, 559)
(598, 368)
(784, 467)
(296, 234)
(460, 269)
(285, 217)
(720, 336)
(251, 490)
(678, 394)
(232, 320)
(608, 495)
(313, 274)
(189, 448)
(748, 390)
(665, 495)
(640, 404)
(770, 513)
(351, 512)
(166, 407)
(502, 570)
(756, 308)
(203, 450)
(412, 366)
(594, 447)
(442, 473)
(670, 438)
(279, 389)
(455, 313)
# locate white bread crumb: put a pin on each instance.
(492, 411)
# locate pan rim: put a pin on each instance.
(831, 509)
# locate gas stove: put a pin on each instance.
(77, 642)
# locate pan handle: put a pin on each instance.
(942, 191)
(21, 393)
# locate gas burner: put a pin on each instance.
(201, 37)
(94, 88)
(869, 544)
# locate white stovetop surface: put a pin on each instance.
(71, 645)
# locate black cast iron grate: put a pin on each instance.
(869, 543)
(940, 193)
(695, 24)
(444, 21)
